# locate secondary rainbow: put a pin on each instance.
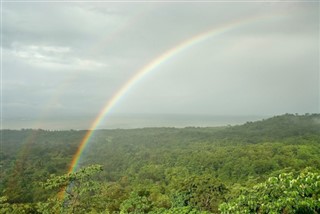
(156, 62)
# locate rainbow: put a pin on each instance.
(156, 62)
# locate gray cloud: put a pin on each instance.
(71, 58)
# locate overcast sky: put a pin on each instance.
(68, 59)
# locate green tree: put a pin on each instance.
(201, 192)
(282, 194)
(77, 192)
(179, 210)
(17, 208)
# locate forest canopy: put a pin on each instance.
(266, 166)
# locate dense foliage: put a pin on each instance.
(282, 194)
(166, 170)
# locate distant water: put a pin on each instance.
(128, 121)
(174, 120)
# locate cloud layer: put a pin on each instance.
(69, 59)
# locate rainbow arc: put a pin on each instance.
(151, 66)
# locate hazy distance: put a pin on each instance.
(62, 62)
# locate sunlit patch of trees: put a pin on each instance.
(269, 166)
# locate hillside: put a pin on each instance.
(151, 169)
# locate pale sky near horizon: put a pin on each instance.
(67, 59)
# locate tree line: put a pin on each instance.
(257, 167)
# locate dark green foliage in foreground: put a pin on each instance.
(282, 194)
(162, 170)
(78, 192)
